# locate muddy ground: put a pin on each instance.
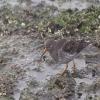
(23, 78)
(22, 36)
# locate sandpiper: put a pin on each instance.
(63, 51)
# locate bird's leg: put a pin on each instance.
(74, 68)
(65, 69)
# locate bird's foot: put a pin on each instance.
(64, 71)
(61, 73)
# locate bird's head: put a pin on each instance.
(49, 46)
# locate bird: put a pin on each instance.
(63, 51)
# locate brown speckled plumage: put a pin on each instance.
(64, 51)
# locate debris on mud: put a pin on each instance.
(56, 88)
(8, 81)
(62, 87)
(23, 32)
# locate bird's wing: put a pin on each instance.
(75, 46)
(70, 47)
(54, 55)
(65, 57)
(60, 43)
(81, 45)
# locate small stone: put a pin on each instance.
(99, 17)
(76, 29)
(96, 31)
(62, 99)
(99, 27)
(1, 34)
(0, 94)
(10, 21)
(22, 24)
(3, 94)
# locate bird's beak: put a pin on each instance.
(45, 50)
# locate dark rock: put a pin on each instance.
(79, 95)
(93, 73)
(62, 86)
